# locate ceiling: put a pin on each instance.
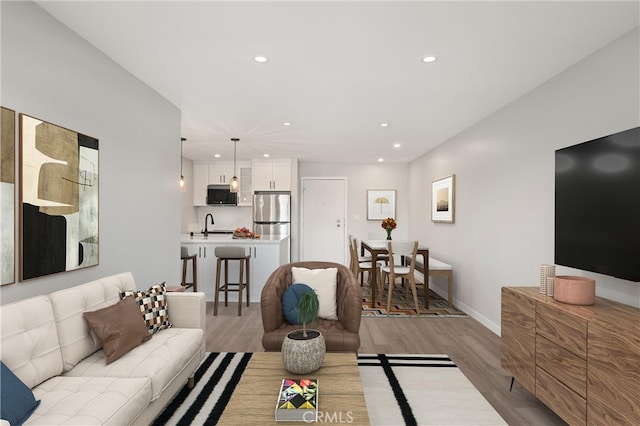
(338, 70)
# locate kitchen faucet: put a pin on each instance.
(209, 215)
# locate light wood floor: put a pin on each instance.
(473, 347)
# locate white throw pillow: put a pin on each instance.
(324, 282)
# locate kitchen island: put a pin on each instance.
(267, 253)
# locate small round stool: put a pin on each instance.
(226, 254)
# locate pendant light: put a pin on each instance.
(234, 185)
(183, 184)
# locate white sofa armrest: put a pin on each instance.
(186, 309)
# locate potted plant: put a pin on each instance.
(303, 350)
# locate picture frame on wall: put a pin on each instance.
(58, 199)
(381, 204)
(443, 200)
(7, 195)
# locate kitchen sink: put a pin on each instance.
(219, 231)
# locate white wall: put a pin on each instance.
(504, 167)
(360, 178)
(50, 73)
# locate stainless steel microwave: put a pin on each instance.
(220, 195)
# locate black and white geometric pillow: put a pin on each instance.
(153, 305)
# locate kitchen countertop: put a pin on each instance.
(228, 239)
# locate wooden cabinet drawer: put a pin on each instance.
(568, 368)
(518, 337)
(613, 376)
(567, 404)
(566, 330)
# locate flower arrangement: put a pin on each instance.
(389, 224)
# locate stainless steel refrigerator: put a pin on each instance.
(272, 213)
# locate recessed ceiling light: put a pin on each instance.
(265, 155)
(428, 59)
(286, 123)
(216, 155)
(380, 160)
(396, 145)
(384, 125)
(261, 59)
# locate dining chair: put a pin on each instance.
(358, 266)
(395, 269)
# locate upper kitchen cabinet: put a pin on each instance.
(272, 175)
(220, 174)
(200, 182)
(245, 194)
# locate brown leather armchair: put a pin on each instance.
(341, 335)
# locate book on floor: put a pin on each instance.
(298, 400)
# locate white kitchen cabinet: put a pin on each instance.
(220, 173)
(200, 182)
(272, 175)
(245, 195)
(265, 258)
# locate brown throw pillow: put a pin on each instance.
(119, 327)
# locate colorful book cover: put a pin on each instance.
(298, 400)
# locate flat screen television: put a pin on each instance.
(597, 205)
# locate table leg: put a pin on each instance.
(373, 281)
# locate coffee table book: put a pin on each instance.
(297, 401)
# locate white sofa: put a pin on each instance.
(47, 343)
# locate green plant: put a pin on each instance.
(307, 309)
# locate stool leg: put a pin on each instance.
(248, 279)
(184, 272)
(240, 280)
(226, 282)
(195, 274)
(217, 289)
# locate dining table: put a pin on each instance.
(378, 248)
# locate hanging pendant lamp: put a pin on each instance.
(234, 185)
(183, 183)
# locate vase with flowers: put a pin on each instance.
(389, 224)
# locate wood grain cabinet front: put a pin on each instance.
(614, 375)
(585, 359)
(518, 330)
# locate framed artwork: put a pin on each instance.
(381, 204)
(443, 200)
(7, 195)
(58, 199)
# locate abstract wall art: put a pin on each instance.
(58, 199)
(7, 195)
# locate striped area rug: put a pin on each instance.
(216, 379)
(421, 390)
(398, 389)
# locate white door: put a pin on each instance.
(323, 219)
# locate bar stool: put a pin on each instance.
(184, 285)
(226, 254)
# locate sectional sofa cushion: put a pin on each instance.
(91, 400)
(324, 282)
(29, 343)
(76, 339)
(161, 359)
(153, 305)
(119, 328)
(17, 400)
